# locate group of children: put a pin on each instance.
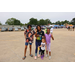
(43, 41)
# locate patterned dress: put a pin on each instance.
(29, 35)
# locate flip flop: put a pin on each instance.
(24, 57)
(31, 55)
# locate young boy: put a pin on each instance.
(29, 34)
(48, 37)
(43, 45)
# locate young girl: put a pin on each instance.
(48, 37)
(43, 45)
(39, 34)
(29, 34)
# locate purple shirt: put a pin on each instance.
(48, 38)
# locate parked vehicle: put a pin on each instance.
(3, 29)
(16, 29)
(22, 28)
(6, 29)
(42, 27)
(19, 27)
(10, 29)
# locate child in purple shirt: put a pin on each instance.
(48, 37)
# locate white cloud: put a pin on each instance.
(25, 16)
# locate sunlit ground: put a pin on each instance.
(12, 47)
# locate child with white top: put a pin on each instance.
(51, 30)
(43, 45)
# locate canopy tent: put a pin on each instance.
(55, 25)
(70, 25)
(62, 25)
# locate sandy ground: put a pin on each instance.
(62, 48)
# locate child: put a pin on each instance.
(51, 30)
(29, 34)
(46, 30)
(42, 48)
(48, 37)
(39, 34)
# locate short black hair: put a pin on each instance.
(29, 25)
(42, 38)
(48, 28)
(37, 27)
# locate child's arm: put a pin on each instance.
(45, 40)
(52, 37)
(40, 46)
(36, 33)
(45, 47)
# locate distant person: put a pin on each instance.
(29, 34)
(51, 30)
(46, 29)
(68, 27)
(39, 35)
(73, 28)
(48, 37)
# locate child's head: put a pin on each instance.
(48, 30)
(43, 40)
(29, 27)
(38, 27)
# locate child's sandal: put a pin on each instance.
(31, 55)
(24, 57)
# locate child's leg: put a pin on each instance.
(43, 53)
(49, 49)
(36, 48)
(40, 48)
(26, 44)
(30, 49)
(25, 50)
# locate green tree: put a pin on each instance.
(66, 22)
(17, 22)
(21, 24)
(25, 23)
(0, 23)
(58, 23)
(47, 21)
(73, 21)
(12, 21)
(42, 22)
(33, 21)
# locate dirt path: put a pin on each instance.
(62, 48)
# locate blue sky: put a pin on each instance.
(25, 16)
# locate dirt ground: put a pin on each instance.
(12, 47)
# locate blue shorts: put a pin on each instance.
(27, 43)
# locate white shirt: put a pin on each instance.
(42, 46)
(51, 30)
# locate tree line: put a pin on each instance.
(34, 21)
